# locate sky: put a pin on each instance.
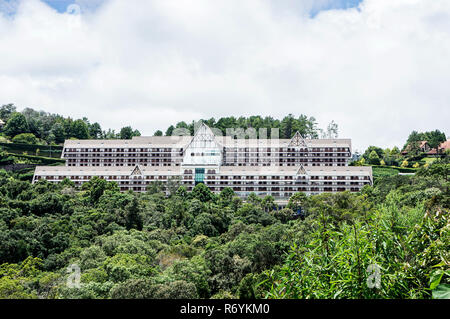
(379, 68)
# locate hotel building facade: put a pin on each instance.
(277, 167)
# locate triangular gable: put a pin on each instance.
(203, 136)
(297, 141)
(137, 171)
(203, 148)
(302, 171)
(204, 133)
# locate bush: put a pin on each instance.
(38, 159)
(44, 150)
(25, 138)
(134, 289)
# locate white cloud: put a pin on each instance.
(379, 72)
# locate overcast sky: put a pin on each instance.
(379, 68)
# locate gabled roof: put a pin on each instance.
(137, 171)
(202, 134)
(423, 143)
(445, 145)
(297, 141)
(408, 147)
(442, 147)
(301, 171)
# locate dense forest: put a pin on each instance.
(202, 245)
(287, 127)
(391, 240)
(39, 127)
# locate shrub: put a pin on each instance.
(25, 138)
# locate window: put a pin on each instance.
(199, 175)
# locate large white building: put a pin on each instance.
(277, 167)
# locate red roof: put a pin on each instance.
(442, 147)
(408, 147)
(422, 143)
(445, 145)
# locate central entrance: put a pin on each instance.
(199, 175)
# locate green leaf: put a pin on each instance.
(439, 265)
(435, 278)
(442, 292)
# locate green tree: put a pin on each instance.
(203, 193)
(21, 281)
(156, 187)
(17, 124)
(283, 215)
(79, 129)
(127, 133)
(58, 133)
(268, 203)
(435, 138)
(179, 289)
(297, 201)
(140, 288)
(6, 111)
(193, 271)
(133, 215)
(374, 159)
(173, 184)
(97, 186)
(378, 150)
(226, 195)
(287, 125)
(247, 287)
(203, 225)
(170, 130)
(95, 131)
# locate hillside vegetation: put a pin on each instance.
(201, 245)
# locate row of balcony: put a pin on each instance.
(250, 188)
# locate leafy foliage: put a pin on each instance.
(245, 127)
(202, 245)
(53, 128)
